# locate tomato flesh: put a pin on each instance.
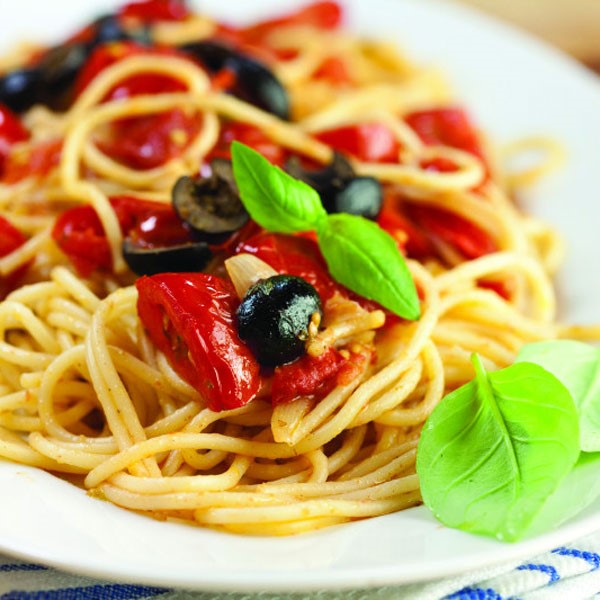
(11, 238)
(190, 317)
(151, 11)
(11, 132)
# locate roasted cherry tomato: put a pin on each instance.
(449, 127)
(10, 239)
(151, 11)
(251, 136)
(291, 255)
(370, 142)
(191, 319)
(11, 132)
(316, 376)
(335, 71)
(322, 15)
(308, 376)
(106, 55)
(37, 163)
(148, 142)
(80, 235)
(471, 241)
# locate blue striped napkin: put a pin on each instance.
(571, 572)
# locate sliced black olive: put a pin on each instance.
(274, 317)
(360, 196)
(254, 83)
(109, 29)
(19, 87)
(339, 187)
(211, 205)
(58, 70)
(182, 258)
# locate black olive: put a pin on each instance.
(109, 29)
(182, 258)
(274, 316)
(254, 82)
(58, 69)
(19, 87)
(211, 205)
(340, 189)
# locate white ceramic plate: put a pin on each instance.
(514, 86)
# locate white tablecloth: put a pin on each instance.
(570, 572)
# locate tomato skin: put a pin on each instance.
(191, 319)
(80, 235)
(370, 142)
(11, 238)
(151, 11)
(293, 255)
(251, 136)
(11, 132)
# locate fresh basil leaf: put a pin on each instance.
(363, 257)
(575, 492)
(577, 366)
(274, 199)
(493, 450)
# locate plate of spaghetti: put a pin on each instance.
(244, 253)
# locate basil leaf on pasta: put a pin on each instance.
(363, 257)
(274, 199)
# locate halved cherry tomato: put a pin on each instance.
(371, 142)
(191, 319)
(151, 11)
(251, 136)
(11, 132)
(292, 255)
(80, 235)
(39, 162)
(10, 239)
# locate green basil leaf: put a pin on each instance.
(493, 450)
(274, 199)
(577, 366)
(576, 492)
(363, 257)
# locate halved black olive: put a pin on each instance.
(274, 317)
(339, 187)
(57, 70)
(182, 258)
(19, 87)
(211, 205)
(254, 83)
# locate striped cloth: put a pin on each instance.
(570, 572)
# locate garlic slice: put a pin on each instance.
(245, 270)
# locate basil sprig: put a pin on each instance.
(494, 450)
(359, 254)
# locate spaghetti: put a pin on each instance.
(85, 392)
